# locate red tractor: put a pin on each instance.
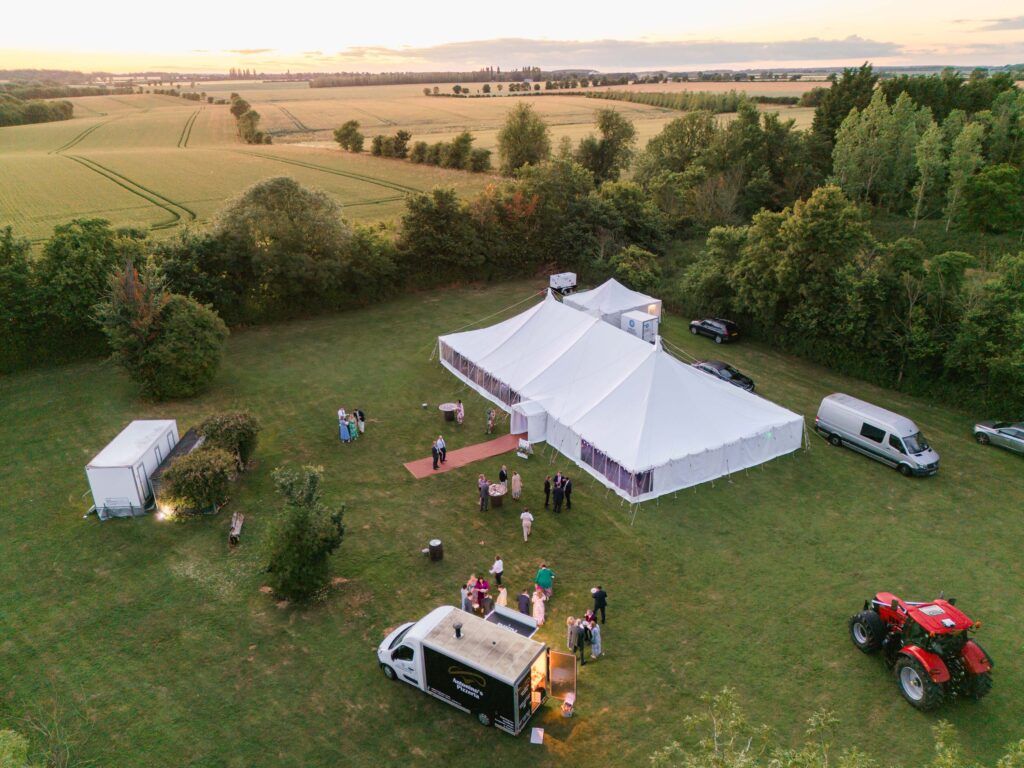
(928, 645)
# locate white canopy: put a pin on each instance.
(626, 411)
(609, 300)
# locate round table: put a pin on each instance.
(448, 409)
(497, 493)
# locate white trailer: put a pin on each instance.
(119, 475)
(640, 324)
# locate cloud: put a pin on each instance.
(611, 55)
(998, 25)
(248, 51)
(312, 53)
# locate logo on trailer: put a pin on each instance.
(468, 681)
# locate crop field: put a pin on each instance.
(159, 162)
(155, 646)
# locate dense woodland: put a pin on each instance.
(884, 242)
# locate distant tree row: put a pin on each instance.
(488, 74)
(457, 153)
(46, 89)
(247, 121)
(691, 100)
(14, 111)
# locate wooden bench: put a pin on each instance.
(235, 534)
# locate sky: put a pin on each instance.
(204, 36)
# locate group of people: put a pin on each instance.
(559, 487)
(351, 425)
(439, 450)
(543, 589)
(504, 484)
(586, 629)
(476, 593)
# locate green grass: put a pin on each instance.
(165, 653)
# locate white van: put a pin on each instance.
(880, 434)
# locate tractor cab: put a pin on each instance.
(938, 627)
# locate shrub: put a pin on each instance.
(235, 432)
(198, 480)
(303, 536)
(637, 268)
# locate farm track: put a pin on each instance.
(76, 139)
(177, 210)
(348, 174)
(186, 131)
(299, 125)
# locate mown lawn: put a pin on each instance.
(161, 650)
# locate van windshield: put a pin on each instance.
(916, 443)
(399, 637)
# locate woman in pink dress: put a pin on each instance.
(538, 606)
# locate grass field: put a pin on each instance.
(159, 161)
(163, 652)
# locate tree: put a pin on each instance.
(964, 160)
(401, 145)
(16, 298)
(994, 199)
(486, 88)
(678, 145)
(349, 137)
(198, 481)
(185, 353)
(931, 168)
(524, 139)
(239, 107)
(852, 90)
(636, 268)
(437, 238)
(303, 536)
(233, 431)
(606, 157)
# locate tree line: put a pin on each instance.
(459, 153)
(48, 89)
(247, 121)
(14, 111)
(487, 74)
(691, 100)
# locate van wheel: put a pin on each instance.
(905, 470)
(835, 440)
(485, 719)
(389, 673)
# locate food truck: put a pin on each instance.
(491, 668)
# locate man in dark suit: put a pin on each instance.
(567, 487)
(559, 494)
(547, 491)
(435, 453)
(600, 601)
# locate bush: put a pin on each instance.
(303, 536)
(637, 269)
(199, 480)
(186, 353)
(235, 432)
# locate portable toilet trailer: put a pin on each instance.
(119, 475)
(640, 324)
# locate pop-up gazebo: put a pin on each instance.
(630, 414)
(611, 300)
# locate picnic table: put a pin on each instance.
(448, 409)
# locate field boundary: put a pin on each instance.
(301, 126)
(357, 176)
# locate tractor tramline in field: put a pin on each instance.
(928, 646)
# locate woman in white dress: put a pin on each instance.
(538, 606)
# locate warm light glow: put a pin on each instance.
(199, 36)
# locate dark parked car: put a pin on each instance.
(715, 328)
(1002, 433)
(725, 372)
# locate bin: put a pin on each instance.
(436, 549)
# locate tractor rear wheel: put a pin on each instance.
(980, 685)
(867, 630)
(916, 686)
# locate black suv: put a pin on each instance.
(716, 328)
(725, 372)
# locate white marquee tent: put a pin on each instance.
(611, 299)
(634, 417)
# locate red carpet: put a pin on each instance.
(463, 456)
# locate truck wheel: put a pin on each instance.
(905, 470)
(389, 673)
(867, 630)
(915, 685)
(693, 330)
(980, 686)
(485, 719)
(835, 440)
(982, 438)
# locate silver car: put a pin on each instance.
(1002, 433)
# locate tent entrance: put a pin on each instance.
(530, 418)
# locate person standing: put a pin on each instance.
(503, 476)
(547, 491)
(517, 486)
(567, 487)
(460, 412)
(545, 579)
(353, 430)
(571, 633)
(595, 640)
(559, 494)
(497, 569)
(538, 606)
(558, 479)
(442, 448)
(490, 420)
(527, 518)
(581, 642)
(484, 488)
(600, 601)
(465, 603)
(435, 454)
(361, 419)
(483, 589)
(523, 600)
(502, 597)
